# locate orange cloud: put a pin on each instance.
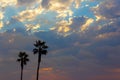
(107, 35)
(47, 69)
(117, 70)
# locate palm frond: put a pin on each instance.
(27, 59)
(23, 58)
(44, 46)
(35, 51)
(36, 45)
(44, 52)
(42, 43)
(18, 60)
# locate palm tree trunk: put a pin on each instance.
(38, 71)
(21, 73)
(39, 60)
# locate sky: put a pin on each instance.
(83, 38)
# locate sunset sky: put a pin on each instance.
(83, 38)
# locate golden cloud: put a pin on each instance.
(86, 25)
(4, 3)
(29, 15)
(77, 3)
(63, 27)
(1, 15)
(1, 24)
(60, 5)
(32, 27)
(64, 14)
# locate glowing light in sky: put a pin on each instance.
(29, 16)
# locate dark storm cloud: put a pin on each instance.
(45, 3)
(109, 9)
(77, 22)
(26, 2)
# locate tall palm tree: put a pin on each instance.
(41, 49)
(23, 59)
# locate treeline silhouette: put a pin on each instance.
(40, 49)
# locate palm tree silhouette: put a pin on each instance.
(41, 49)
(23, 58)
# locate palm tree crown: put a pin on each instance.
(23, 58)
(40, 48)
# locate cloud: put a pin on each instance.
(34, 28)
(109, 9)
(77, 3)
(74, 25)
(28, 19)
(1, 24)
(26, 2)
(56, 5)
(87, 24)
(28, 15)
(77, 22)
(47, 69)
(107, 35)
(63, 27)
(1, 15)
(81, 23)
(116, 70)
(45, 3)
(60, 4)
(5, 3)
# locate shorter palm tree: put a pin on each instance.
(23, 59)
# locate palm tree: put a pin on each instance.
(41, 49)
(23, 58)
